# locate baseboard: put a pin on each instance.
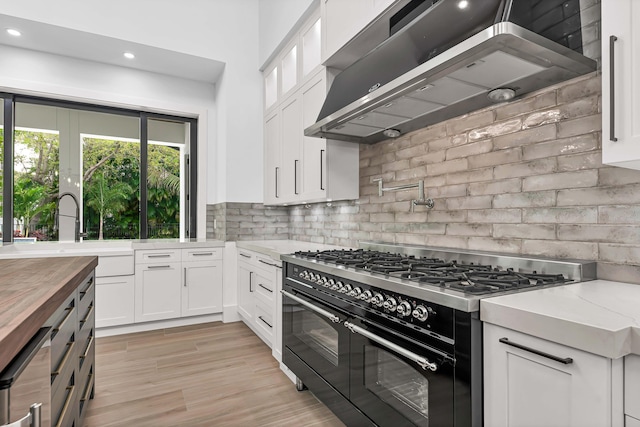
(160, 324)
(288, 372)
(230, 314)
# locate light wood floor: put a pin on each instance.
(213, 374)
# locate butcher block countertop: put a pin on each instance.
(31, 290)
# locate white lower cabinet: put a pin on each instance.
(114, 301)
(257, 294)
(632, 390)
(176, 283)
(529, 381)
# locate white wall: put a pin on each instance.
(224, 30)
(277, 19)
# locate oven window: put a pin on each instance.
(397, 383)
(317, 333)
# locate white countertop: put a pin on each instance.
(599, 316)
(275, 248)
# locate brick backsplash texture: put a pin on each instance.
(523, 177)
(247, 221)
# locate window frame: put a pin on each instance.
(191, 171)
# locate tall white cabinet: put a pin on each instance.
(300, 169)
(621, 83)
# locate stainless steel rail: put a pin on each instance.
(325, 313)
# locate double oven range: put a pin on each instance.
(390, 335)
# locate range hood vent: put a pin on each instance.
(445, 62)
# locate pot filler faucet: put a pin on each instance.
(57, 215)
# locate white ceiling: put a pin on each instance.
(92, 47)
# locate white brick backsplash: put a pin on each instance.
(591, 160)
(404, 217)
(411, 152)
(561, 249)
(599, 233)
(527, 105)
(457, 190)
(428, 228)
(620, 254)
(618, 176)
(494, 216)
(447, 216)
(469, 122)
(533, 167)
(525, 137)
(457, 229)
(495, 187)
(427, 159)
(572, 215)
(618, 272)
(580, 126)
(469, 150)
(430, 133)
(621, 195)
(447, 241)
(576, 144)
(501, 157)
(448, 166)
(525, 200)
(585, 178)
(496, 129)
(582, 88)
(477, 175)
(470, 202)
(525, 231)
(540, 118)
(619, 214)
(494, 245)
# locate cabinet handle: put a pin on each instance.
(295, 177)
(86, 289)
(265, 322)
(612, 90)
(87, 392)
(565, 361)
(277, 170)
(86, 350)
(151, 267)
(251, 281)
(61, 325)
(265, 288)
(159, 256)
(202, 253)
(185, 277)
(244, 255)
(87, 316)
(321, 174)
(269, 264)
(70, 346)
(65, 408)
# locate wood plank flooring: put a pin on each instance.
(212, 374)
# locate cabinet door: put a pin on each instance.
(114, 301)
(632, 385)
(621, 90)
(246, 301)
(158, 291)
(523, 388)
(292, 134)
(272, 164)
(311, 48)
(202, 288)
(314, 150)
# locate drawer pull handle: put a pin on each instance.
(265, 288)
(159, 256)
(88, 315)
(202, 253)
(86, 289)
(65, 408)
(86, 350)
(244, 255)
(265, 322)
(87, 392)
(565, 361)
(269, 264)
(612, 90)
(55, 330)
(155, 267)
(70, 346)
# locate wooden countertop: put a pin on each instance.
(30, 292)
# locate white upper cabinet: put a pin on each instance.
(271, 88)
(289, 67)
(272, 158)
(343, 19)
(311, 47)
(621, 84)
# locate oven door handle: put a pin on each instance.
(422, 361)
(325, 313)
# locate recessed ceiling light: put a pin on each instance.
(14, 32)
(129, 55)
(463, 4)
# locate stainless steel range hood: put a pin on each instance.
(444, 64)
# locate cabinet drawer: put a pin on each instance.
(158, 256)
(267, 262)
(86, 325)
(201, 254)
(63, 403)
(632, 385)
(63, 333)
(86, 294)
(264, 321)
(87, 391)
(86, 352)
(116, 265)
(264, 287)
(65, 366)
(246, 256)
(114, 301)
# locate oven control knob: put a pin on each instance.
(302, 274)
(404, 309)
(355, 293)
(345, 289)
(337, 286)
(390, 304)
(365, 296)
(377, 300)
(321, 281)
(329, 283)
(421, 313)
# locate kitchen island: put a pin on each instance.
(30, 292)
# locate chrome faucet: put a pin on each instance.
(78, 234)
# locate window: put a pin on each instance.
(121, 174)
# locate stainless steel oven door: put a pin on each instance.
(397, 381)
(313, 332)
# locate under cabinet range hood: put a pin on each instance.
(450, 60)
